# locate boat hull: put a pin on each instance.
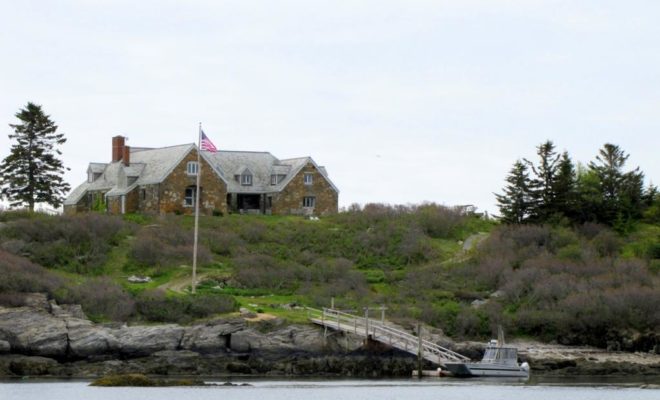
(485, 370)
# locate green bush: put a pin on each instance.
(155, 305)
(100, 298)
(78, 243)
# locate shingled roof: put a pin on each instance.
(152, 166)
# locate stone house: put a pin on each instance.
(163, 180)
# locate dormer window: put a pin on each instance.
(276, 178)
(246, 179)
(92, 176)
(309, 179)
(192, 168)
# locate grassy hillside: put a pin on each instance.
(582, 285)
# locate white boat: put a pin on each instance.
(499, 361)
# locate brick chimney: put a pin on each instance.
(117, 148)
(126, 156)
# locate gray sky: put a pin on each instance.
(402, 101)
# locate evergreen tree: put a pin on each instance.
(32, 172)
(622, 192)
(542, 187)
(515, 204)
(565, 188)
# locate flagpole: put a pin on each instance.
(197, 196)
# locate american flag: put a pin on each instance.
(207, 144)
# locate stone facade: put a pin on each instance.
(163, 180)
(290, 199)
(171, 191)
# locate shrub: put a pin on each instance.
(155, 305)
(223, 242)
(78, 243)
(21, 275)
(101, 299)
(165, 245)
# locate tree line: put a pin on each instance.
(555, 190)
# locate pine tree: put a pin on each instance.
(565, 187)
(32, 172)
(515, 204)
(542, 187)
(622, 192)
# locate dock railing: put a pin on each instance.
(382, 331)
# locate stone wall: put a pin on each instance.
(172, 189)
(290, 199)
(148, 198)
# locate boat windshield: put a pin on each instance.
(500, 355)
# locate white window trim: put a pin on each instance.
(313, 201)
(192, 168)
(246, 179)
(192, 197)
(308, 179)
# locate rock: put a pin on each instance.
(175, 354)
(36, 300)
(32, 331)
(25, 366)
(478, 303)
(87, 339)
(144, 340)
(67, 310)
(5, 347)
(210, 338)
(138, 279)
(241, 342)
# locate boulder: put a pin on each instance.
(25, 366)
(87, 339)
(67, 310)
(144, 340)
(32, 331)
(36, 300)
(5, 347)
(243, 341)
(212, 337)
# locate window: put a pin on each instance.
(143, 194)
(309, 201)
(192, 168)
(189, 199)
(246, 180)
(309, 179)
(276, 178)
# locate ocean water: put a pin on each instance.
(427, 389)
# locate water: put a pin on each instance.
(332, 390)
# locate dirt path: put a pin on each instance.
(182, 284)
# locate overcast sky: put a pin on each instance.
(402, 101)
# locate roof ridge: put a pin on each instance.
(138, 149)
(244, 151)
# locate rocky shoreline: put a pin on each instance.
(48, 340)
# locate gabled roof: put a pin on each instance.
(152, 166)
(298, 163)
(159, 163)
(148, 165)
(232, 163)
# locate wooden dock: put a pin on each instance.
(383, 332)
